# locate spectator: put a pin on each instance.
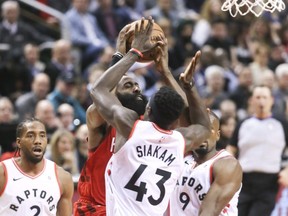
(32, 62)
(242, 93)
(231, 79)
(277, 56)
(103, 60)
(227, 126)
(134, 8)
(214, 92)
(65, 113)
(45, 112)
(210, 10)
(26, 103)
(183, 46)
(262, 32)
(62, 150)
(111, 19)
(281, 92)
(207, 59)
(268, 79)
(61, 62)
(259, 142)
(8, 124)
(239, 31)
(85, 32)
(227, 107)
(259, 65)
(164, 9)
(220, 38)
(15, 34)
(63, 94)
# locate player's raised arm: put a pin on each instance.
(199, 128)
(107, 103)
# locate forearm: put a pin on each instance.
(209, 211)
(116, 58)
(197, 110)
(113, 75)
(170, 81)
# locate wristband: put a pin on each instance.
(118, 55)
(115, 58)
(136, 52)
(189, 85)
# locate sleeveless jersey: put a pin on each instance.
(141, 176)
(91, 184)
(193, 185)
(26, 195)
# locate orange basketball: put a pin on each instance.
(156, 31)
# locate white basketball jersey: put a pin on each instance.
(141, 176)
(26, 195)
(193, 185)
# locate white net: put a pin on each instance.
(256, 7)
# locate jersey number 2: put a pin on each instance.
(141, 189)
(37, 210)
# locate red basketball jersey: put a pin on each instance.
(91, 185)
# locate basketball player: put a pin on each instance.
(210, 182)
(148, 157)
(31, 184)
(101, 136)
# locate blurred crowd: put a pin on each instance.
(48, 74)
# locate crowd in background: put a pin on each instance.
(47, 75)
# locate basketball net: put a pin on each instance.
(254, 6)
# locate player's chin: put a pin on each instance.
(36, 158)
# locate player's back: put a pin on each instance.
(142, 174)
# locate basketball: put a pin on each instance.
(156, 31)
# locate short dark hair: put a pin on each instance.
(22, 125)
(166, 106)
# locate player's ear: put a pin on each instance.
(218, 135)
(18, 142)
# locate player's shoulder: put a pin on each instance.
(65, 180)
(227, 164)
(62, 174)
(2, 177)
(2, 168)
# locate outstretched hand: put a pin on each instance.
(186, 78)
(142, 36)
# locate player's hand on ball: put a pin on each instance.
(125, 33)
(142, 35)
(161, 55)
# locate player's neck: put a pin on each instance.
(208, 156)
(29, 167)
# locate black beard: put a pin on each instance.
(32, 159)
(201, 151)
(132, 102)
